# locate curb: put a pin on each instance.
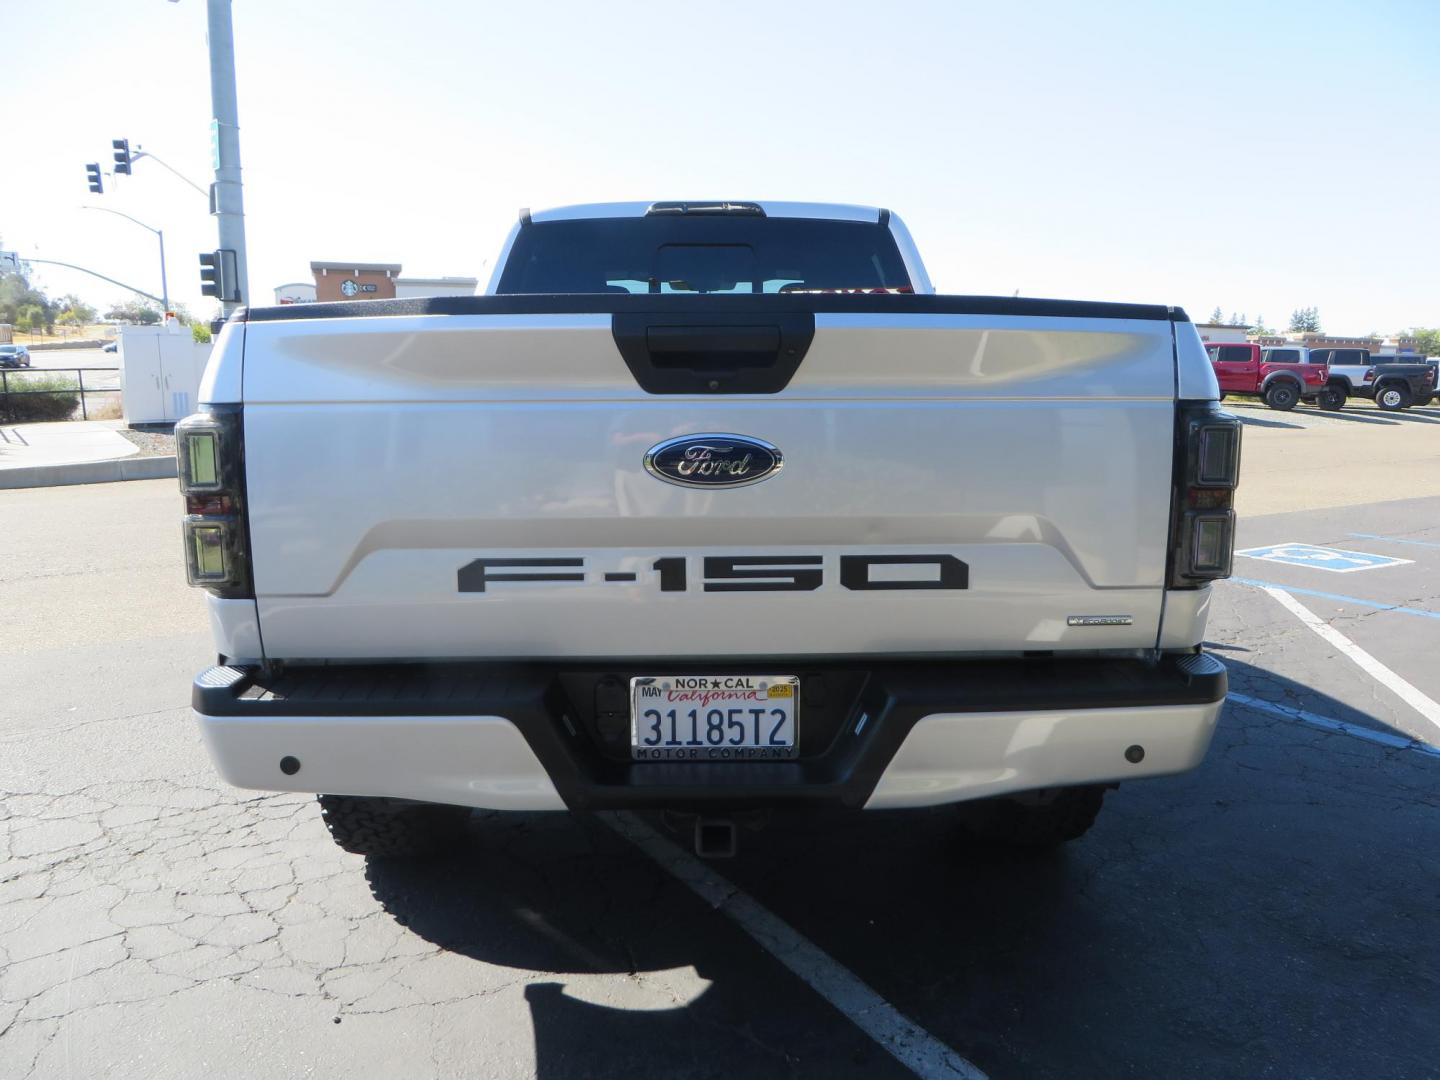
(89, 472)
(58, 346)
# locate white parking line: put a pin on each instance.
(907, 1042)
(1325, 723)
(1407, 692)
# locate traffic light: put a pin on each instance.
(122, 155)
(92, 173)
(211, 269)
(217, 274)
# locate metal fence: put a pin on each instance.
(13, 382)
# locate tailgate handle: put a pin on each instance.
(713, 352)
(713, 347)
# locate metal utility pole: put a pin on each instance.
(227, 203)
(164, 288)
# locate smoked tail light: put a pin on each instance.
(1369, 375)
(209, 447)
(1206, 473)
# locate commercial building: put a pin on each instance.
(1222, 332)
(369, 281)
(295, 292)
(354, 281)
(1378, 346)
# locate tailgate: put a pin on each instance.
(474, 485)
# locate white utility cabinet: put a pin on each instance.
(160, 370)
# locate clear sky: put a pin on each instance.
(1256, 156)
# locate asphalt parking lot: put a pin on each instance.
(1273, 913)
(61, 358)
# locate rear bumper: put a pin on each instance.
(539, 737)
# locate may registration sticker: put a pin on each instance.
(714, 717)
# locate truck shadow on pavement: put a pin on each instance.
(1249, 415)
(1273, 909)
(1411, 416)
(1256, 421)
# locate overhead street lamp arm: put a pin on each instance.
(164, 285)
(136, 155)
(121, 213)
(92, 273)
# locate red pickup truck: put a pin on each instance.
(1241, 369)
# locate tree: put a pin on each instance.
(17, 294)
(74, 311)
(1305, 320)
(1242, 320)
(1217, 316)
(32, 319)
(1427, 341)
(1260, 329)
(138, 311)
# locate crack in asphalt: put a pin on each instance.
(140, 891)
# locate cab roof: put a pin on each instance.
(748, 207)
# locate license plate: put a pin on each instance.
(714, 717)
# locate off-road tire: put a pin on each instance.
(392, 828)
(1392, 397)
(1035, 821)
(1282, 395)
(1331, 398)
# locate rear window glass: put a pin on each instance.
(1238, 354)
(1282, 356)
(701, 254)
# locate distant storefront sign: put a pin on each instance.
(350, 287)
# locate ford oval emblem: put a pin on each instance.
(713, 460)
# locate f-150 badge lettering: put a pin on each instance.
(713, 460)
(733, 573)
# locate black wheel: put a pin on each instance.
(1392, 398)
(1282, 395)
(1035, 820)
(392, 828)
(1331, 399)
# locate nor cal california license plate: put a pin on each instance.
(714, 717)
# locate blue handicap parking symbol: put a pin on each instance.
(1321, 558)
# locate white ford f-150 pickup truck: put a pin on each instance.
(714, 508)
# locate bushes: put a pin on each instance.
(59, 400)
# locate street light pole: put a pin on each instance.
(164, 288)
(229, 205)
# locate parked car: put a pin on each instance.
(638, 606)
(14, 356)
(1394, 384)
(1282, 384)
